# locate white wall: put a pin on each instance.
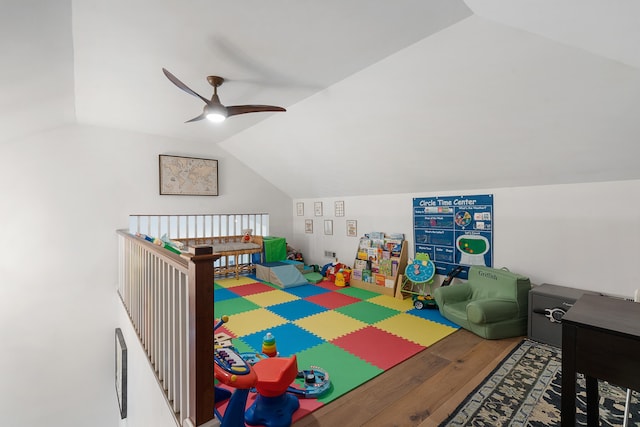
(63, 195)
(578, 235)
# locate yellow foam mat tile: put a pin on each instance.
(393, 303)
(253, 321)
(266, 299)
(416, 329)
(232, 281)
(330, 324)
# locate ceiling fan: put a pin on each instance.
(213, 108)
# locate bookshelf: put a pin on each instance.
(392, 279)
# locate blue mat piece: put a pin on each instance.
(432, 314)
(223, 294)
(297, 309)
(290, 339)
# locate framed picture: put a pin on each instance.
(121, 373)
(352, 228)
(317, 208)
(328, 226)
(300, 209)
(339, 208)
(188, 176)
(308, 226)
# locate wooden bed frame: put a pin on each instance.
(230, 247)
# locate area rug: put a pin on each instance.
(525, 390)
(353, 334)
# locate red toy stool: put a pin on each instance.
(274, 407)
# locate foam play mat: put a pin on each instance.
(352, 334)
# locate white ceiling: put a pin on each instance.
(382, 97)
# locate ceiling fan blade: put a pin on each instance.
(182, 86)
(234, 110)
(195, 119)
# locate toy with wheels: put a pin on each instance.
(418, 280)
(270, 377)
(231, 369)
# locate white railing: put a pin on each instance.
(161, 292)
(202, 226)
(191, 226)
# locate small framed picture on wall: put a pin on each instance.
(328, 227)
(308, 226)
(300, 209)
(352, 228)
(317, 208)
(339, 208)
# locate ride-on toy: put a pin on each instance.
(270, 377)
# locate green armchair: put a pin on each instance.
(492, 303)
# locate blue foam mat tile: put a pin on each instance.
(223, 294)
(298, 309)
(290, 339)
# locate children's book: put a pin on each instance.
(366, 276)
(372, 254)
(376, 235)
(361, 264)
(385, 267)
(379, 279)
(364, 243)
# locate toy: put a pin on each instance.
(329, 270)
(418, 277)
(343, 277)
(270, 377)
(231, 369)
(269, 345)
(340, 282)
(246, 235)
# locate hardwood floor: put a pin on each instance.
(421, 391)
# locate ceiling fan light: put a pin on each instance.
(216, 113)
(216, 117)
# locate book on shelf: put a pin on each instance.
(372, 254)
(394, 267)
(356, 274)
(361, 264)
(379, 279)
(399, 236)
(376, 235)
(364, 243)
(385, 267)
(366, 276)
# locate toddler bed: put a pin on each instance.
(236, 252)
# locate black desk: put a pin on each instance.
(600, 339)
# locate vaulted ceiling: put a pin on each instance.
(382, 97)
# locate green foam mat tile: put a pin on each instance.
(345, 370)
(358, 293)
(367, 312)
(234, 306)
